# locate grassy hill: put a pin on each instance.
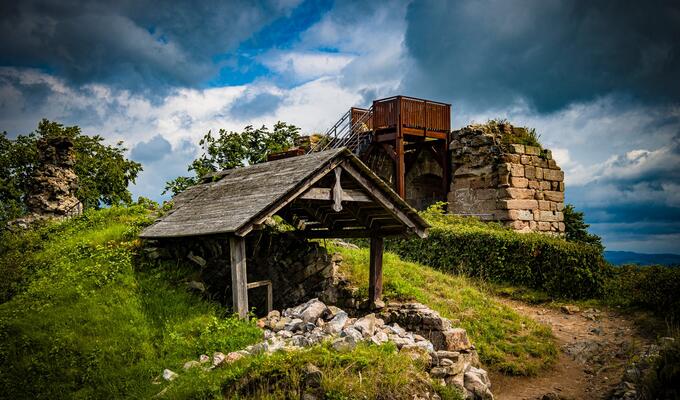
(84, 315)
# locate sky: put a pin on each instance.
(599, 81)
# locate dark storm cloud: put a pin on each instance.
(552, 53)
(132, 44)
(245, 108)
(156, 148)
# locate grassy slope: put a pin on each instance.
(506, 341)
(81, 316)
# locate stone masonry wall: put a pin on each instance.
(520, 186)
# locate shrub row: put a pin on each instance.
(653, 287)
(466, 246)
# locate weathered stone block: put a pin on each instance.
(554, 195)
(517, 204)
(562, 227)
(559, 206)
(522, 226)
(552, 164)
(512, 158)
(517, 148)
(456, 339)
(548, 216)
(539, 173)
(533, 184)
(517, 193)
(486, 194)
(521, 215)
(532, 150)
(543, 226)
(530, 172)
(519, 182)
(538, 195)
(545, 185)
(553, 175)
(525, 159)
(544, 205)
(517, 170)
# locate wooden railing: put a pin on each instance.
(415, 113)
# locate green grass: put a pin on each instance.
(368, 372)
(506, 341)
(83, 318)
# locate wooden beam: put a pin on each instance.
(375, 283)
(347, 233)
(337, 191)
(385, 137)
(239, 279)
(326, 194)
(373, 191)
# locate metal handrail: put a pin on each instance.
(347, 135)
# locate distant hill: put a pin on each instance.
(629, 257)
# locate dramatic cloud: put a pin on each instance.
(130, 44)
(550, 53)
(152, 150)
(598, 81)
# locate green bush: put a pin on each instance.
(653, 287)
(662, 380)
(491, 252)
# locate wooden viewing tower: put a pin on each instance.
(400, 126)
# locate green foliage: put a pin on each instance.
(576, 229)
(653, 287)
(235, 149)
(506, 341)
(103, 171)
(368, 372)
(83, 316)
(464, 246)
(514, 134)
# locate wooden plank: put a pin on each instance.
(382, 199)
(239, 279)
(375, 283)
(270, 292)
(326, 194)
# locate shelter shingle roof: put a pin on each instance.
(229, 200)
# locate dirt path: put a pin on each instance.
(594, 345)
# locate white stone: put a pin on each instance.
(169, 375)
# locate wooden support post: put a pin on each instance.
(400, 170)
(375, 284)
(446, 167)
(239, 279)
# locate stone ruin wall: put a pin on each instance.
(54, 183)
(517, 185)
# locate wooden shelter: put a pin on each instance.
(328, 194)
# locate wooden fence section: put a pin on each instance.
(418, 114)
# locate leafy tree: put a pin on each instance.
(235, 149)
(576, 229)
(103, 171)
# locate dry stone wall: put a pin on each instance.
(519, 185)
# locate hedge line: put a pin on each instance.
(463, 246)
(653, 287)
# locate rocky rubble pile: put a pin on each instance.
(452, 361)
